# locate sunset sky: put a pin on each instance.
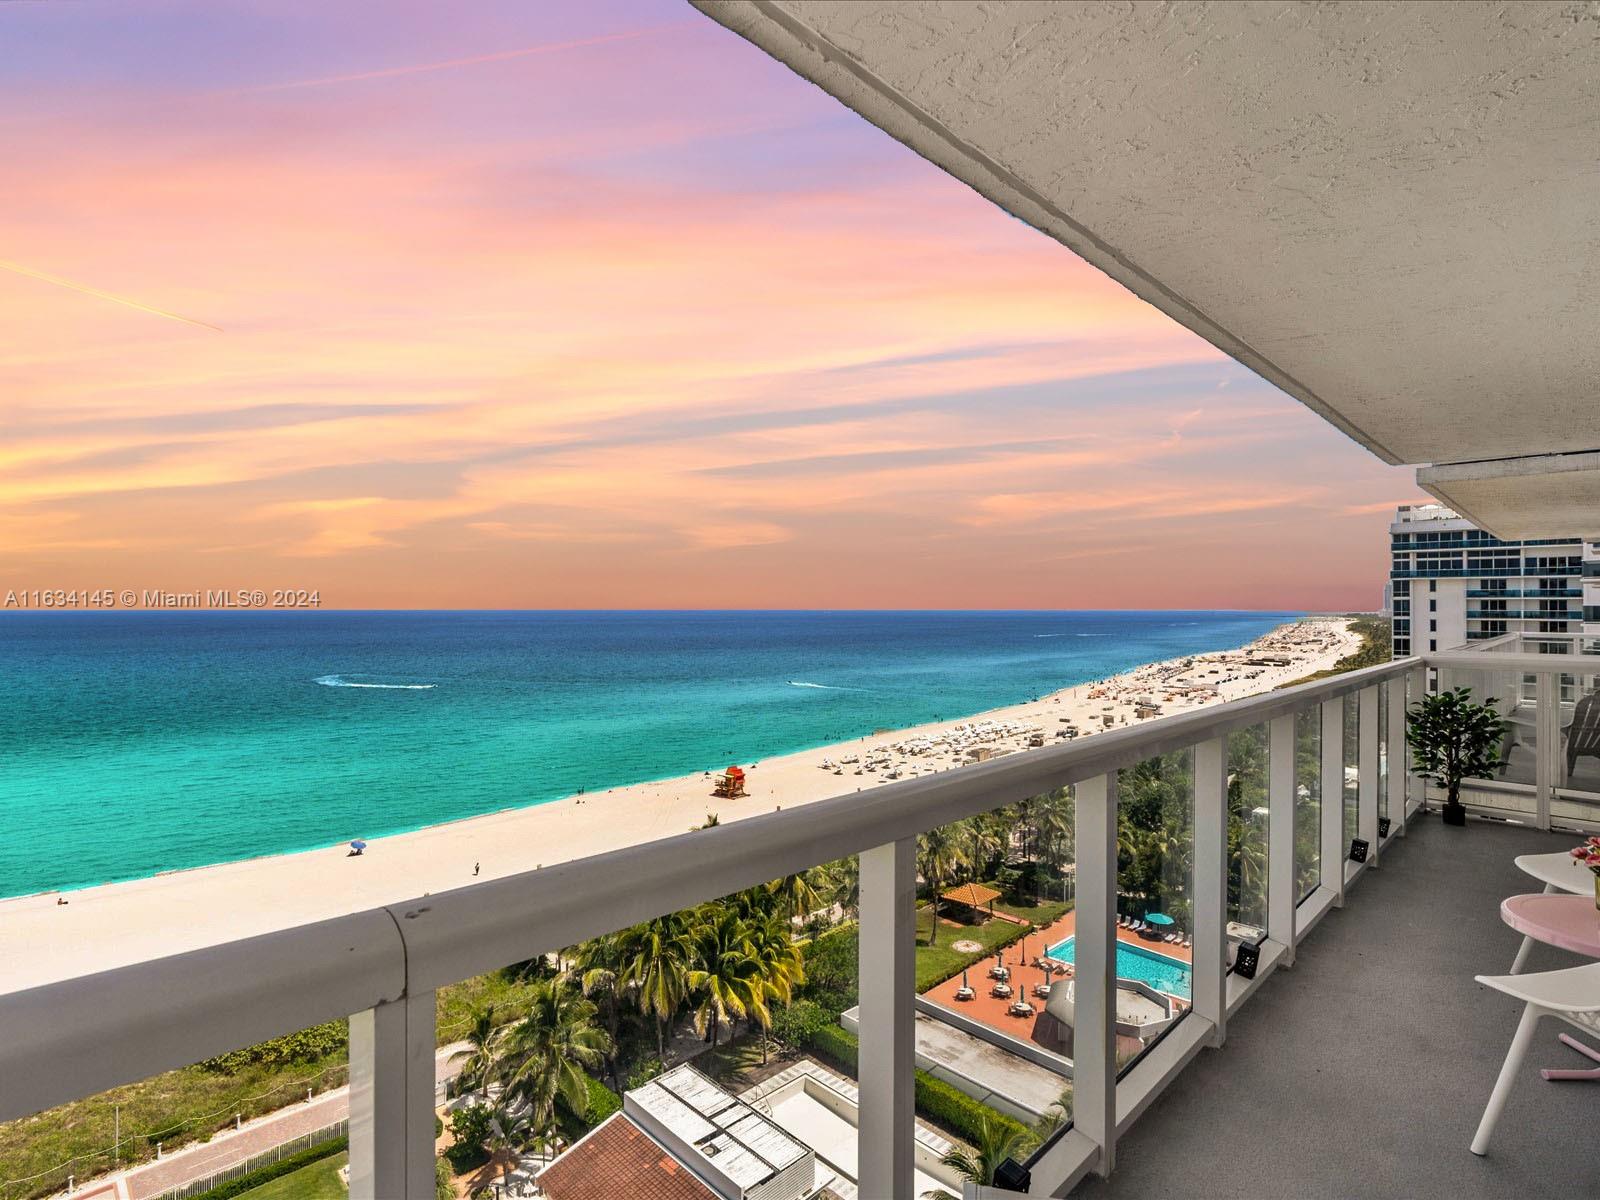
(588, 305)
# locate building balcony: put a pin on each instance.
(1304, 1099)
(1142, 1003)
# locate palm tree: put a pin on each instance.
(983, 841)
(726, 977)
(509, 1132)
(659, 955)
(798, 893)
(553, 1048)
(600, 963)
(782, 970)
(1054, 1117)
(995, 1144)
(844, 877)
(483, 1038)
(939, 859)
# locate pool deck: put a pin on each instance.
(992, 1010)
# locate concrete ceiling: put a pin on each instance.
(1389, 210)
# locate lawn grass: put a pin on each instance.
(936, 963)
(315, 1181)
(1037, 914)
(190, 1104)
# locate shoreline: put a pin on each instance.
(107, 925)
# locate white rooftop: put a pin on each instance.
(726, 1132)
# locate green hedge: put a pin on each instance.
(254, 1179)
(937, 1100)
(602, 1103)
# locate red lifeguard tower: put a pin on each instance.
(731, 784)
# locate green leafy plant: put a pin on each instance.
(1452, 738)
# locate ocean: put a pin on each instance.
(138, 742)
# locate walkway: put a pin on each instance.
(231, 1148)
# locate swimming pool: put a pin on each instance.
(1165, 974)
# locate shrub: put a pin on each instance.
(470, 1125)
(308, 1045)
(643, 1072)
(251, 1180)
(832, 978)
(602, 1103)
(796, 1024)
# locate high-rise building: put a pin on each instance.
(1451, 583)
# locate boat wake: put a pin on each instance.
(827, 687)
(341, 682)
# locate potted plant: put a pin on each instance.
(1589, 855)
(1453, 737)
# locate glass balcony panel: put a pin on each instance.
(994, 979)
(1577, 767)
(1383, 752)
(1508, 790)
(1155, 891)
(1351, 751)
(136, 1128)
(1308, 801)
(1248, 828)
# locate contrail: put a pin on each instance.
(452, 63)
(19, 269)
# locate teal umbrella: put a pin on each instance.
(1159, 919)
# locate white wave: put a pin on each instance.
(341, 681)
(827, 687)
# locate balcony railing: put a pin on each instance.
(1541, 683)
(78, 1036)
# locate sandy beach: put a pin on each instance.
(102, 927)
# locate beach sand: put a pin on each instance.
(114, 924)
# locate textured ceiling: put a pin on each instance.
(1392, 211)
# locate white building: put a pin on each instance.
(1451, 583)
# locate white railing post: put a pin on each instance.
(887, 960)
(1399, 756)
(391, 1100)
(1094, 989)
(1333, 847)
(1210, 978)
(1282, 894)
(1367, 771)
(1547, 722)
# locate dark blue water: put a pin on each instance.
(138, 742)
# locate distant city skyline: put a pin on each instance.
(590, 306)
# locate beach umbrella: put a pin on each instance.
(1159, 919)
(964, 979)
(358, 845)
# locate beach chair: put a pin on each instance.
(1583, 735)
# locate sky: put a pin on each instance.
(588, 305)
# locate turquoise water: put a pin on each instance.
(137, 742)
(1165, 974)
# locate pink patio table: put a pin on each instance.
(1569, 922)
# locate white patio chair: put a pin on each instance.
(1573, 995)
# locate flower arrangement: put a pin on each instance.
(1589, 855)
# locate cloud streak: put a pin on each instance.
(452, 64)
(86, 290)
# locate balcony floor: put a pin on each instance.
(1365, 1068)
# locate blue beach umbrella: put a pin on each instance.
(1159, 919)
(358, 845)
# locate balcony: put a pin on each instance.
(1380, 1016)
(86, 1016)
